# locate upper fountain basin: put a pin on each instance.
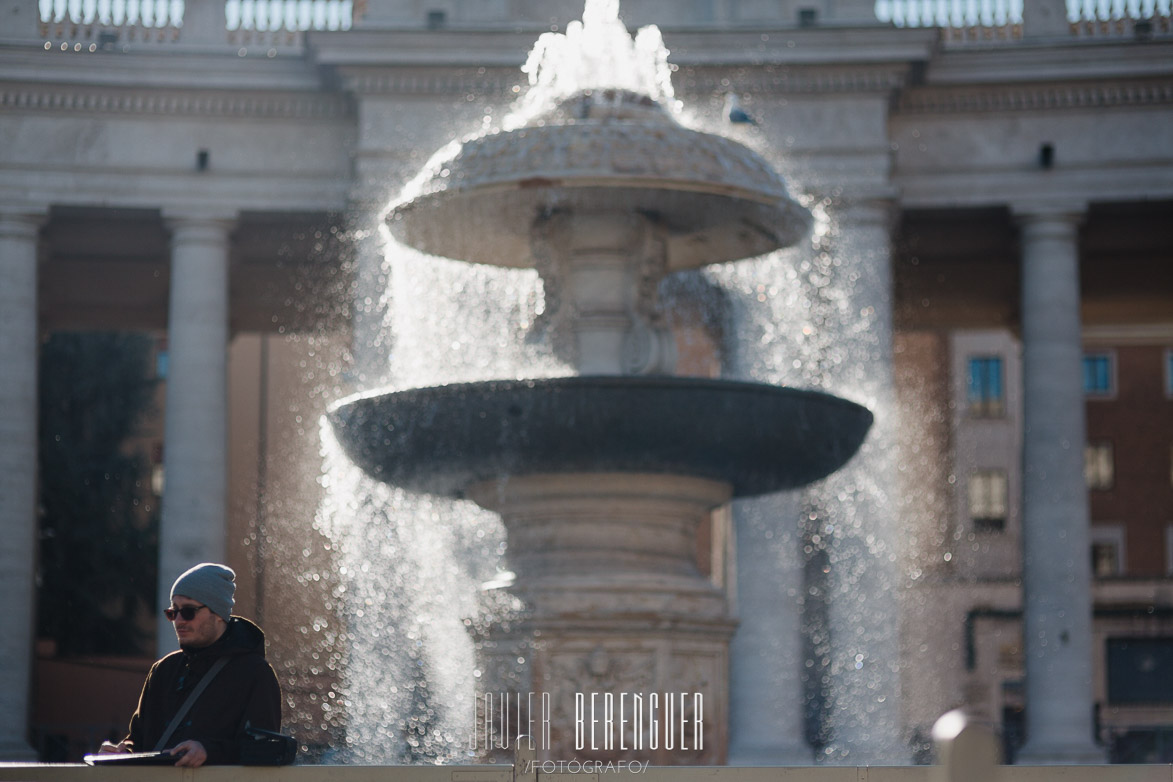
(608, 150)
(759, 438)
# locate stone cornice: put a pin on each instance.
(825, 45)
(1066, 60)
(696, 80)
(171, 67)
(793, 79)
(180, 192)
(167, 102)
(827, 59)
(751, 46)
(1036, 97)
(421, 48)
(1151, 180)
(370, 80)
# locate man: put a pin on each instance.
(244, 691)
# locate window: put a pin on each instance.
(987, 500)
(984, 387)
(162, 359)
(1140, 671)
(1148, 745)
(1098, 466)
(1099, 374)
(157, 479)
(1107, 550)
(1105, 558)
(1169, 549)
(1169, 372)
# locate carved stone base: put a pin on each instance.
(622, 641)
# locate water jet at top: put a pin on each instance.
(601, 477)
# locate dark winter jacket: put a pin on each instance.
(244, 691)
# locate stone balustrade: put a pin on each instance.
(1111, 24)
(239, 14)
(92, 25)
(951, 14)
(966, 751)
(288, 15)
(116, 13)
(964, 22)
(1104, 10)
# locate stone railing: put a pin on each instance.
(269, 25)
(966, 752)
(115, 13)
(288, 15)
(90, 25)
(978, 21)
(282, 22)
(1119, 18)
(950, 14)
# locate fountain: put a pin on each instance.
(603, 475)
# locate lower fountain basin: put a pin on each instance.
(759, 438)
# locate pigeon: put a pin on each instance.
(734, 113)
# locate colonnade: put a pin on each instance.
(1057, 579)
(195, 432)
(1057, 599)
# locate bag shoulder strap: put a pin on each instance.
(191, 699)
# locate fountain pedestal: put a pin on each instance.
(615, 604)
(602, 267)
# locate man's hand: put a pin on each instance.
(192, 754)
(108, 748)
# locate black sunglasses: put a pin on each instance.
(187, 612)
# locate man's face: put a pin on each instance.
(204, 629)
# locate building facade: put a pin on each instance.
(214, 181)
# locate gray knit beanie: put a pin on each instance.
(211, 584)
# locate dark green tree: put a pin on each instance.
(97, 546)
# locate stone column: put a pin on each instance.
(766, 699)
(195, 436)
(18, 475)
(1056, 562)
(371, 338)
(856, 507)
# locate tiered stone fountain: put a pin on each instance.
(602, 477)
